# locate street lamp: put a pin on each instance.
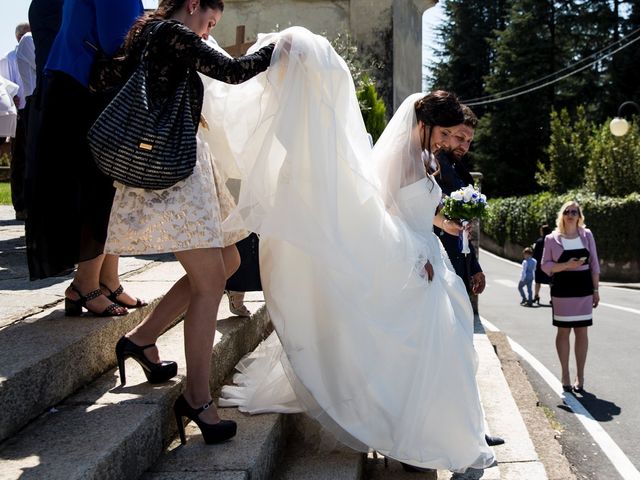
(619, 126)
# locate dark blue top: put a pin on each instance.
(89, 25)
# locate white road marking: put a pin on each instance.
(618, 307)
(611, 449)
(504, 282)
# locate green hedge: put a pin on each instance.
(614, 221)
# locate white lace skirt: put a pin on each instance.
(186, 216)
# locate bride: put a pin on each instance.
(373, 329)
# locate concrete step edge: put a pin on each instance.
(105, 431)
(313, 453)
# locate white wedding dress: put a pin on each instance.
(363, 342)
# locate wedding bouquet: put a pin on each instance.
(465, 205)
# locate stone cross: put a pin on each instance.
(240, 47)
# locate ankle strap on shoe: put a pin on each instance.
(204, 407)
(93, 295)
(114, 293)
(89, 296)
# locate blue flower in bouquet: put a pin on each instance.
(465, 204)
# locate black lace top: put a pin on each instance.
(175, 51)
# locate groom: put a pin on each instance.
(453, 175)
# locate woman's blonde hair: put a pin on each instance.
(560, 220)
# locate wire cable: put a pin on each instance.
(577, 70)
(568, 67)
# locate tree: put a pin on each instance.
(614, 163)
(513, 135)
(465, 52)
(625, 66)
(373, 109)
(568, 152)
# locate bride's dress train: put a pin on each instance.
(365, 344)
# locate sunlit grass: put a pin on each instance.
(5, 193)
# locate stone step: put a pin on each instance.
(314, 454)
(251, 455)
(105, 431)
(47, 356)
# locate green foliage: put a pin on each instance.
(362, 67)
(569, 149)
(373, 110)
(512, 136)
(614, 163)
(5, 160)
(465, 53)
(517, 220)
(5, 193)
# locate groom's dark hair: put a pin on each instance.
(439, 108)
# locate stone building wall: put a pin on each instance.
(388, 30)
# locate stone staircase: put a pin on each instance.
(64, 415)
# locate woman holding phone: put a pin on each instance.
(571, 259)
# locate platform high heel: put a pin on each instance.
(211, 433)
(155, 372)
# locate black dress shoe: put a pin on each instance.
(493, 441)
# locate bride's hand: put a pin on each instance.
(451, 227)
(429, 269)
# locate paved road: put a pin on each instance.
(612, 375)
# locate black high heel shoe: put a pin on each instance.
(113, 296)
(155, 372)
(73, 308)
(211, 432)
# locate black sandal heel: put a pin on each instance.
(155, 372)
(211, 433)
(73, 308)
(113, 296)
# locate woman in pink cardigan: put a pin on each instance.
(571, 259)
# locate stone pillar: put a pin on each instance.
(407, 47)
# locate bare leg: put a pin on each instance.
(109, 277)
(87, 280)
(206, 273)
(563, 347)
(174, 303)
(581, 346)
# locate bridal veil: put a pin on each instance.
(365, 344)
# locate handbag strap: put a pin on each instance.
(154, 29)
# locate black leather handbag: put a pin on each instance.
(143, 144)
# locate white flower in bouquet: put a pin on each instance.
(465, 205)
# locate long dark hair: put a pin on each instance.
(438, 108)
(166, 9)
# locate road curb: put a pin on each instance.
(543, 436)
